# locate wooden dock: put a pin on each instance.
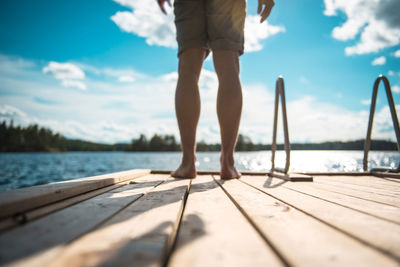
(145, 218)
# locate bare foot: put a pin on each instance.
(185, 170)
(228, 170)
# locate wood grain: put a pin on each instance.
(363, 194)
(301, 239)
(382, 211)
(24, 199)
(371, 231)
(214, 232)
(369, 181)
(63, 226)
(136, 236)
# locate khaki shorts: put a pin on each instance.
(210, 24)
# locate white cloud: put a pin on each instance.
(126, 79)
(397, 53)
(378, 61)
(376, 21)
(366, 102)
(208, 80)
(170, 77)
(63, 71)
(14, 65)
(69, 74)
(147, 21)
(255, 32)
(74, 83)
(396, 89)
(117, 112)
(107, 132)
(309, 119)
(121, 75)
(8, 112)
(393, 73)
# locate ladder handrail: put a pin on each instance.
(395, 120)
(280, 91)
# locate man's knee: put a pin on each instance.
(226, 62)
(188, 71)
(190, 63)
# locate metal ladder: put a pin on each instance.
(283, 172)
(395, 120)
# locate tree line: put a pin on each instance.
(30, 139)
(155, 143)
(39, 139)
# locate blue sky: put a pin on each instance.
(106, 70)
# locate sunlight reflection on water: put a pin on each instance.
(317, 161)
(27, 169)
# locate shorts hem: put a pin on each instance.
(226, 44)
(192, 44)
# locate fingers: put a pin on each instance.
(259, 6)
(161, 5)
(267, 10)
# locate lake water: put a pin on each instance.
(28, 169)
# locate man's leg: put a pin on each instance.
(187, 107)
(229, 107)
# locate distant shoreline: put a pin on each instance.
(38, 139)
(85, 146)
(122, 151)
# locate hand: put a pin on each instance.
(268, 4)
(161, 4)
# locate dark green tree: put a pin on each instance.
(140, 144)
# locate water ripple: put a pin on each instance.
(28, 169)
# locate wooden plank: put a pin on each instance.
(301, 239)
(391, 201)
(369, 181)
(378, 210)
(211, 172)
(361, 188)
(387, 174)
(371, 174)
(340, 188)
(23, 218)
(394, 180)
(338, 173)
(378, 234)
(136, 236)
(24, 199)
(66, 225)
(292, 176)
(214, 232)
